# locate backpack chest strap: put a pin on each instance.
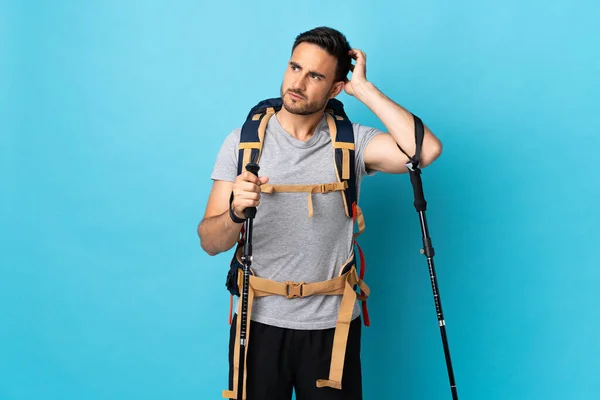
(310, 189)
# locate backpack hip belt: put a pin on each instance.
(342, 285)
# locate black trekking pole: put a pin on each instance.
(427, 250)
(246, 262)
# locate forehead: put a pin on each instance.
(312, 57)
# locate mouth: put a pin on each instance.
(295, 96)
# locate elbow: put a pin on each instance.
(434, 151)
(204, 242)
(437, 150)
(208, 251)
(211, 251)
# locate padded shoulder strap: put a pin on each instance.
(253, 132)
(274, 103)
(342, 139)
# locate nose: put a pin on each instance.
(299, 83)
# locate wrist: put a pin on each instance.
(364, 91)
(234, 217)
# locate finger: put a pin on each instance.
(250, 177)
(248, 187)
(361, 58)
(358, 55)
(246, 177)
(246, 191)
(239, 207)
(247, 203)
(246, 196)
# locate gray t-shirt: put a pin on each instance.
(286, 244)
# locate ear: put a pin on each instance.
(336, 89)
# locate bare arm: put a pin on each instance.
(217, 231)
(382, 152)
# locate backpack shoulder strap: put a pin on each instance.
(342, 139)
(253, 132)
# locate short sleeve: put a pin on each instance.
(362, 137)
(225, 168)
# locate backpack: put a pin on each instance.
(342, 139)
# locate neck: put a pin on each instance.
(301, 127)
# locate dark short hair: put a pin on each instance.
(334, 43)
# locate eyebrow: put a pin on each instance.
(293, 64)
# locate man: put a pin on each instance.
(291, 343)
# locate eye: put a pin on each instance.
(315, 76)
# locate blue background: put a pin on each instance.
(111, 117)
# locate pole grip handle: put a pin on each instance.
(417, 184)
(250, 212)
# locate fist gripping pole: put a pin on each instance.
(250, 213)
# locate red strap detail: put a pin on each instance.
(365, 312)
(230, 309)
(363, 268)
(241, 239)
(363, 264)
(354, 211)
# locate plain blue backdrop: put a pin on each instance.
(111, 115)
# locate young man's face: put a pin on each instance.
(308, 82)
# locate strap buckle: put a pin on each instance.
(326, 187)
(294, 289)
(412, 165)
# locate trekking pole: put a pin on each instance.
(250, 213)
(427, 250)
